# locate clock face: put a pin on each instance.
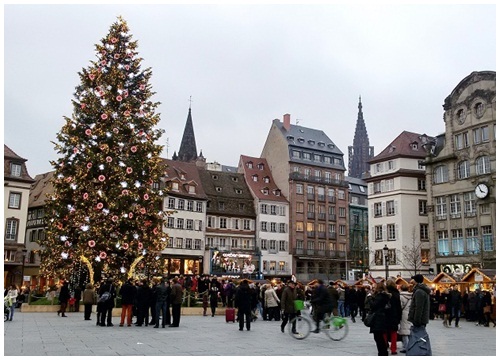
(481, 191)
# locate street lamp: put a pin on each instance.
(25, 251)
(385, 251)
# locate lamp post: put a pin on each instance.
(385, 250)
(25, 251)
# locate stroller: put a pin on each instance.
(6, 309)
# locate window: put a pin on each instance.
(462, 140)
(180, 223)
(455, 208)
(300, 244)
(273, 209)
(281, 265)
(199, 225)
(390, 208)
(300, 207)
(273, 227)
(483, 165)
(480, 135)
(307, 156)
(218, 189)
(299, 226)
(422, 207)
(378, 232)
(485, 209)
(272, 245)
(171, 203)
(470, 204)
(425, 256)
(189, 243)
(221, 205)
(307, 173)
(190, 205)
(175, 186)
(170, 222)
(389, 185)
(267, 180)
(223, 223)
(199, 206)
(180, 204)
(479, 109)
(317, 158)
(299, 189)
(178, 243)
(310, 190)
(472, 240)
(11, 229)
(390, 164)
(378, 209)
(14, 200)
(342, 212)
(341, 194)
(263, 226)
(263, 208)
(461, 116)
(443, 244)
(260, 166)
(210, 221)
(457, 242)
(191, 189)
(263, 244)
(440, 174)
(282, 228)
(236, 224)
(189, 224)
(424, 232)
(246, 224)
(362, 189)
(421, 185)
(255, 178)
(310, 245)
(15, 170)
(487, 238)
(391, 232)
(463, 169)
(441, 207)
(234, 242)
(250, 165)
(272, 265)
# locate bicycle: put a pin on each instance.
(335, 327)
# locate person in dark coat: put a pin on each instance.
(393, 315)
(176, 298)
(288, 298)
(487, 301)
(334, 294)
(361, 296)
(351, 300)
(78, 297)
(418, 315)
(456, 305)
(152, 302)
(143, 301)
(322, 302)
(378, 328)
(243, 302)
(89, 299)
(106, 307)
(162, 293)
(64, 296)
(128, 291)
(213, 293)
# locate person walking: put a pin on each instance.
(214, 296)
(418, 315)
(361, 296)
(334, 295)
(64, 296)
(152, 301)
(322, 303)
(394, 315)
(351, 300)
(162, 293)
(107, 302)
(128, 292)
(379, 326)
(89, 299)
(487, 306)
(288, 306)
(456, 305)
(243, 302)
(176, 297)
(404, 325)
(271, 301)
(341, 301)
(11, 298)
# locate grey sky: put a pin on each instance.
(247, 65)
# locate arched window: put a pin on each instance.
(440, 174)
(483, 165)
(463, 169)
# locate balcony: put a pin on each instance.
(311, 234)
(318, 180)
(332, 217)
(331, 199)
(321, 216)
(330, 254)
(321, 198)
(311, 215)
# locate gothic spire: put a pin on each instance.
(187, 151)
(361, 151)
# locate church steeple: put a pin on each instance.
(361, 151)
(187, 151)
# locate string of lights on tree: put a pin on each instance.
(106, 208)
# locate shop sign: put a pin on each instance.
(478, 277)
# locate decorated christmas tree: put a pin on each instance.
(105, 214)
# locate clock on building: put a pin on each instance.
(481, 191)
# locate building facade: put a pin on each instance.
(17, 184)
(230, 244)
(186, 202)
(358, 228)
(309, 169)
(272, 212)
(360, 152)
(461, 174)
(397, 203)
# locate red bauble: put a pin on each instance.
(88, 132)
(133, 149)
(102, 178)
(89, 165)
(91, 243)
(91, 76)
(129, 170)
(125, 246)
(85, 196)
(119, 98)
(109, 158)
(103, 255)
(104, 116)
(146, 197)
(100, 206)
(139, 245)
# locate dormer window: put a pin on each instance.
(238, 191)
(183, 177)
(300, 140)
(192, 189)
(331, 146)
(250, 165)
(175, 186)
(311, 142)
(414, 146)
(290, 137)
(277, 192)
(260, 166)
(392, 148)
(234, 178)
(265, 191)
(15, 170)
(266, 179)
(255, 178)
(321, 143)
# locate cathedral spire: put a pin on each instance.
(187, 151)
(361, 151)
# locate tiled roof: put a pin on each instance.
(407, 144)
(256, 179)
(229, 188)
(40, 188)
(185, 174)
(10, 156)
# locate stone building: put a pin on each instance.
(360, 152)
(461, 178)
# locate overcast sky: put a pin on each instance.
(247, 65)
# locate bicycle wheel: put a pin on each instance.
(302, 327)
(336, 328)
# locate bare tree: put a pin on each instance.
(411, 255)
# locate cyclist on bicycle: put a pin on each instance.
(322, 302)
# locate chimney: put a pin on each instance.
(286, 121)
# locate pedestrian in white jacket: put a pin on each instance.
(405, 325)
(271, 302)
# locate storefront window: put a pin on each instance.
(191, 267)
(175, 266)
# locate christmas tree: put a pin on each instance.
(106, 208)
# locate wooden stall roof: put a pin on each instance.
(365, 282)
(488, 275)
(442, 277)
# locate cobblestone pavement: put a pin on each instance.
(46, 334)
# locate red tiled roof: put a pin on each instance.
(402, 147)
(176, 170)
